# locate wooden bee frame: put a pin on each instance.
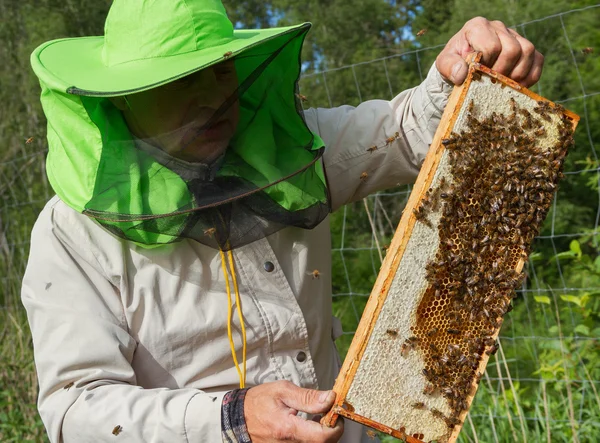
(382, 380)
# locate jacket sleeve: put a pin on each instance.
(83, 352)
(354, 169)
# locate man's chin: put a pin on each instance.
(206, 151)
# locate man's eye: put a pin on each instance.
(225, 72)
(181, 83)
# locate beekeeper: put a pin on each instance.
(170, 286)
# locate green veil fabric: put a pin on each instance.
(269, 177)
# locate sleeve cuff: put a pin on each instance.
(203, 417)
(438, 89)
(233, 422)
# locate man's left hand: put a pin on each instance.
(503, 49)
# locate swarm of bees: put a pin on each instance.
(502, 185)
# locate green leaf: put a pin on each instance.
(542, 299)
(565, 255)
(575, 247)
(597, 264)
(585, 298)
(571, 299)
(582, 329)
(537, 256)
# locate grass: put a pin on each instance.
(19, 420)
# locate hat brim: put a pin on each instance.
(74, 65)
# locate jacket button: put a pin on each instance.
(269, 266)
(301, 356)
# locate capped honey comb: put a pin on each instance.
(451, 271)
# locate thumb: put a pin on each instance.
(308, 400)
(452, 67)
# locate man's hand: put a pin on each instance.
(504, 50)
(270, 410)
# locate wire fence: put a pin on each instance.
(543, 383)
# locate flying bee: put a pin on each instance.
(302, 98)
(117, 430)
(418, 405)
(29, 140)
(314, 273)
(372, 148)
(68, 386)
(227, 54)
(423, 31)
(588, 50)
(364, 176)
(371, 434)
(209, 232)
(392, 333)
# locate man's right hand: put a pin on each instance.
(270, 411)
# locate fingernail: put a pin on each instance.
(325, 396)
(455, 75)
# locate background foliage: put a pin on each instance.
(542, 385)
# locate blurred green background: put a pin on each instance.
(542, 386)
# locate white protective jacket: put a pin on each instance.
(142, 333)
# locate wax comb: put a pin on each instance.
(456, 258)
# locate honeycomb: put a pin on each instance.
(457, 276)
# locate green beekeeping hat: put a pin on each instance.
(271, 175)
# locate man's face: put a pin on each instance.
(173, 116)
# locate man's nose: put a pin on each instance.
(211, 92)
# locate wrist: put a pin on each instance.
(233, 422)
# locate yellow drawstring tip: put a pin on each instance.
(241, 372)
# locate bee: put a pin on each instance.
(422, 32)
(437, 413)
(429, 389)
(493, 349)
(117, 430)
(209, 232)
(372, 148)
(393, 138)
(471, 107)
(315, 274)
(434, 348)
(452, 331)
(588, 50)
(68, 386)
(476, 76)
(29, 140)
(418, 405)
(405, 348)
(422, 217)
(227, 54)
(371, 434)
(302, 98)
(364, 176)
(392, 333)
(432, 331)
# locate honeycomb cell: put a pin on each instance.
(486, 227)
